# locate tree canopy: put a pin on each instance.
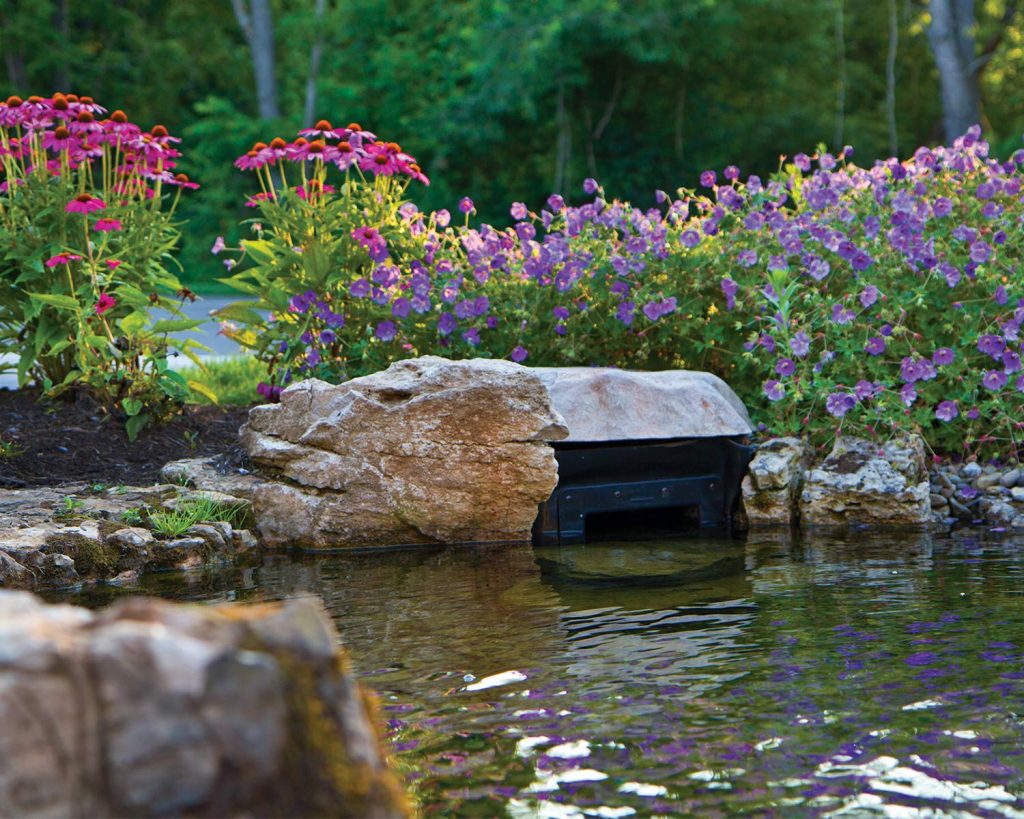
(507, 101)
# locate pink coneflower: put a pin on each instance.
(324, 130)
(106, 302)
(62, 258)
(379, 160)
(107, 226)
(251, 161)
(181, 180)
(59, 139)
(85, 203)
(84, 123)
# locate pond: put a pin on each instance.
(856, 676)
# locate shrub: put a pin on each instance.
(877, 300)
(86, 227)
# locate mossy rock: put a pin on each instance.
(92, 558)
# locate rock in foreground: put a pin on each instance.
(868, 483)
(156, 709)
(427, 451)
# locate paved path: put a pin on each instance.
(220, 347)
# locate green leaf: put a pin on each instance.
(132, 406)
(133, 323)
(57, 300)
(204, 391)
(243, 311)
(260, 249)
(134, 425)
(176, 325)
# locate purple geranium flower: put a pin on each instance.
(994, 380)
(518, 210)
(943, 356)
(874, 345)
(991, 345)
(785, 367)
(840, 403)
(386, 330)
(908, 395)
(774, 391)
(869, 295)
(590, 186)
(729, 288)
(946, 411)
(708, 178)
(466, 205)
(800, 344)
(446, 323)
(519, 353)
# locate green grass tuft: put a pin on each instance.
(175, 522)
(233, 380)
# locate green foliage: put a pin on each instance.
(232, 381)
(86, 240)
(190, 511)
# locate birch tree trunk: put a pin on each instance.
(256, 20)
(952, 41)
(316, 52)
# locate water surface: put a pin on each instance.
(852, 677)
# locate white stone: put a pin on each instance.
(774, 481)
(608, 404)
(862, 482)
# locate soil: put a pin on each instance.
(55, 443)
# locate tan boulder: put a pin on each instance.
(429, 450)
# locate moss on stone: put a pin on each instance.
(92, 558)
(317, 761)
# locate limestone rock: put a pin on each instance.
(868, 483)
(774, 481)
(608, 404)
(429, 450)
(12, 574)
(156, 709)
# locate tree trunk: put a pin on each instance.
(62, 24)
(841, 76)
(256, 20)
(952, 42)
(890, 77)
(563, 145)
(315, 53)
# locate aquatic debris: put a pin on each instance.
(570, 750)
(921, 705)
(643, 789)
(494, 680)
(551, 783)
(527, 745)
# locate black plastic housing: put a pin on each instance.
(701, 474)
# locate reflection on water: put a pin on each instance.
(852, 676)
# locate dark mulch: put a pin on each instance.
(71, 442)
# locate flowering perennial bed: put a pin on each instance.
(872, 300)
(875, 300)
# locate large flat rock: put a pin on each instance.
(428, 451)
(608, 404)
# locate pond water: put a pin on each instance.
(850, 677)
